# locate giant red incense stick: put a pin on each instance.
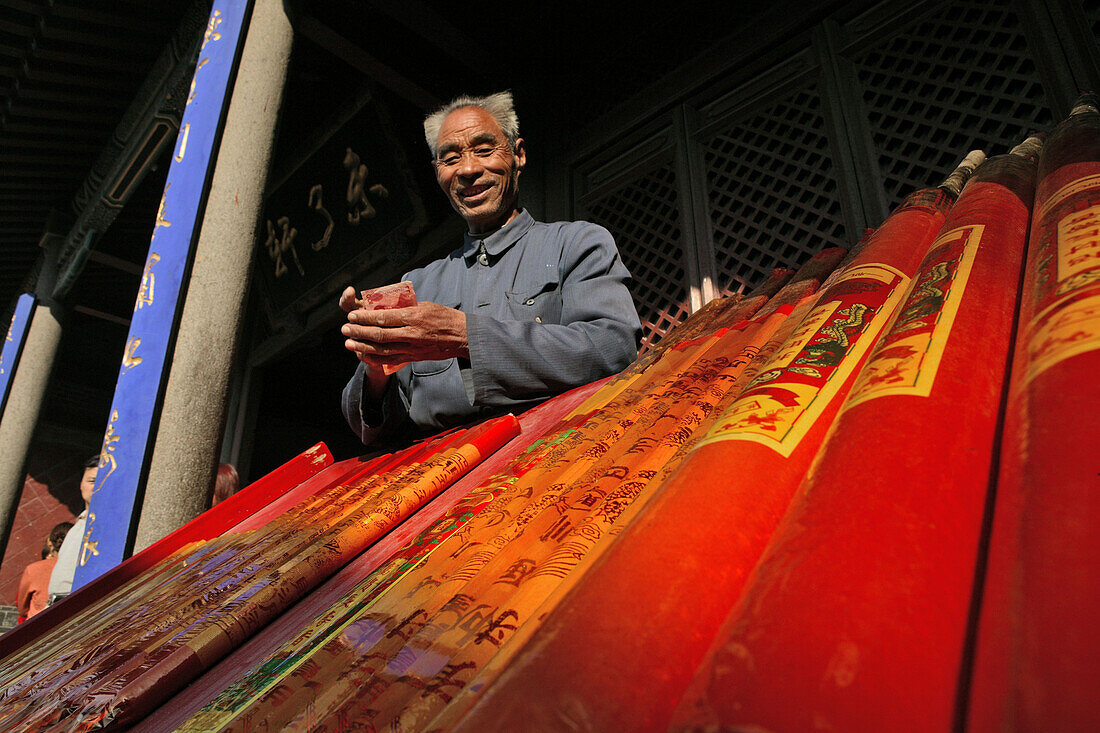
(1038, 642)
(856, 616)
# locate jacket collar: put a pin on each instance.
(498, 241)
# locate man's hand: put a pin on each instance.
(348, 301)
(375, 379)
(426, 331)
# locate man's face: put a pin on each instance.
(87, 484)
(477, 169)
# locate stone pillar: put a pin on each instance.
(192, 421)
(28, 387)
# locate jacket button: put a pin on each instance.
(538, 319)
(530, 301)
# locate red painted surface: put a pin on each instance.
(1038, 639)
(655, 599)
(856, 616)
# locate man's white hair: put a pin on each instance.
(499, 105)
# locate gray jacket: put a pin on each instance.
(547, 309)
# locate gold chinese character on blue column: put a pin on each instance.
(129, 359)
(161, 221)
(87, 547)
(195, 80)
(107, 453)
(183, 142)
(148, 282)
(211, 33)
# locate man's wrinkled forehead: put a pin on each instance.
(482, 137)
(469, 125)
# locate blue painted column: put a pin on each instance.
(13, 343)
(192, 424)
(149, 352)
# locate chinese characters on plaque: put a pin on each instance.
(282, 235)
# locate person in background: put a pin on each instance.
(521, 311)
(34, 583)
(61, 579)
(226, 483)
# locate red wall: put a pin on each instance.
(50, 489)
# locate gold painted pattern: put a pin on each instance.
(793, 389)
(1066, 273)
(1071, 328)
(1078, 242)
(906, 360)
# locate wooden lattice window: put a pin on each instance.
(771, 191)
(644, 217)
(908, 94)
(962, 79)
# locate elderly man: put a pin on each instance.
(522, 311)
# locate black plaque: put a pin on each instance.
(352, 202)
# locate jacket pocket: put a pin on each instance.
(539, 302)
(428, 368)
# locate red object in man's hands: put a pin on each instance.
(398, 295)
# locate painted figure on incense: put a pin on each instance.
(523, 310)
